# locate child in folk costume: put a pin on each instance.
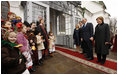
(32, 41)
(33, 44)
(26, 50)
(40, 47)
(18, 18)
(12, 60)
(12, 18)
(51, 43)
(6, 27)
(41, 27)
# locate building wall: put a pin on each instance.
(92, 18)
(102, 13)
(92, 6)
(17, 9)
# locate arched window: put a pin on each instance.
(61, 24)
(5, 8)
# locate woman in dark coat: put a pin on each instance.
(76, 38)
(102, 39)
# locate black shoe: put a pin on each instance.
(86, 56)
(82, 53)
(39, 64)
(41, 61)
(103, 62)
(98, 61)
(90, 58)
(32, 69)
(49, 56)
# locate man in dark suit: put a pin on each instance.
(80, 34)
(41, 28)
(87, 38)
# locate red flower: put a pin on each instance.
(2, 20)
(19, 24)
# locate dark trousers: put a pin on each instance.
(83, 45)
(101, 57)
(88, 48)
(35, 57)
(45, 53)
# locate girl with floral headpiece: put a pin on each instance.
(14, 19)
(25, 49)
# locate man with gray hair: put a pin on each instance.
(87, 38)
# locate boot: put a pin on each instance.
(40, 63)
(33, 69)
(51, 54)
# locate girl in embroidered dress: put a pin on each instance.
(26, 50)
(40, 47)
(51, 43)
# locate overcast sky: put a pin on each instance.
(112, 7)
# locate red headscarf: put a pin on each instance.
(9, 13)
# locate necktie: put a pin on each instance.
(84, 26)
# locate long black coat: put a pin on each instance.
(102, 35)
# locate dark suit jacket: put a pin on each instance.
(81, 32)
(87, 31)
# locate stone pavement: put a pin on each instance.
(60, 64)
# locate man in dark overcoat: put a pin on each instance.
(42, 29)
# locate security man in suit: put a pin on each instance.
(87, 38)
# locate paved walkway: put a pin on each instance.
(62, 65)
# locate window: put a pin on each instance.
(4, 9)
(64, 25)
(61, 24)
(38, 11)
(77, 19)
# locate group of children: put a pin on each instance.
(21, 48)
